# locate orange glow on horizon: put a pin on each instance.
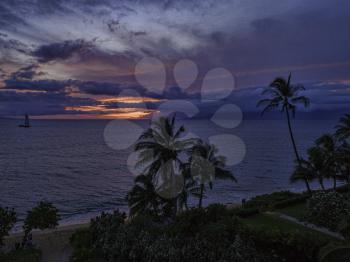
(129, 100)
(102, 112)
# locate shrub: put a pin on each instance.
(105, 227)
(290, 202)
(334, 253)
(7, 220)
(43, 216)
(247, 212)
(276, 246)
(241, 251)
(211, 234)
(327, 209)
(22, 255)
(268, 200)
(81, 242)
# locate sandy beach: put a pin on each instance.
(54, 243)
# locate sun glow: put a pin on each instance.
(103, 112)
(130, 100)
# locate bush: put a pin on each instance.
(104, 229)
(247, 212)
(211, 234)
(81, 242)
(269, 200)
(43, 216)
(276, 246)
(327, 209)
(7, 220)
(290, 202)
(334, 253)
(22, 255)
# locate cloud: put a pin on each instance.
(28, 72)
(62, 50)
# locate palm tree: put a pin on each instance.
(343, 159)
(143, 197)
(318, 165)
(302, 171)
(206, 166)
(285, 96)
(328, 144)
(343, 128)
(160, 149)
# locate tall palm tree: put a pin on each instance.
(143, 197)
(285, 96)
(160, 149)
(343, 128)
(206, 166)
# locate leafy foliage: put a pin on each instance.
(7, 220)
(43, 216)
(334, 253)
(269, 200)
(327, 209)
(22, 255)
(202, 234)
(343, 128)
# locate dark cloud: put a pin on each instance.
(62, 50)
(14, 104)
(28, 72)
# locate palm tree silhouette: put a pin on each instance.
(285, 96)
(143, 197)
(343, 128)
(206, 166)
(160, 149)
(343, 158)
(316, 167)
(329, 146)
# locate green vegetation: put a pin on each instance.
(211, 234)
(334, 253)
(22, 255)
(276, 200)
(329, 158)
(43, 216)
(298, 210)
(328, 209)
(7, 220)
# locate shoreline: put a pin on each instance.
(53, 243)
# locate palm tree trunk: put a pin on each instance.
(321, 183)
(295, 149)
(201, 196)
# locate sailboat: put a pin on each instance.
(26, 122)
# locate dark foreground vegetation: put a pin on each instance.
(43, 216)
(214, 233)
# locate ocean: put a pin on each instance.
(69, 163)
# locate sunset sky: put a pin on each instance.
(76, 59)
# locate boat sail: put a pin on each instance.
(26, 122)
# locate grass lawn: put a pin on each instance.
(22, 255)
(273, 221)
(298, 211)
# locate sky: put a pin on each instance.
(80, 59)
